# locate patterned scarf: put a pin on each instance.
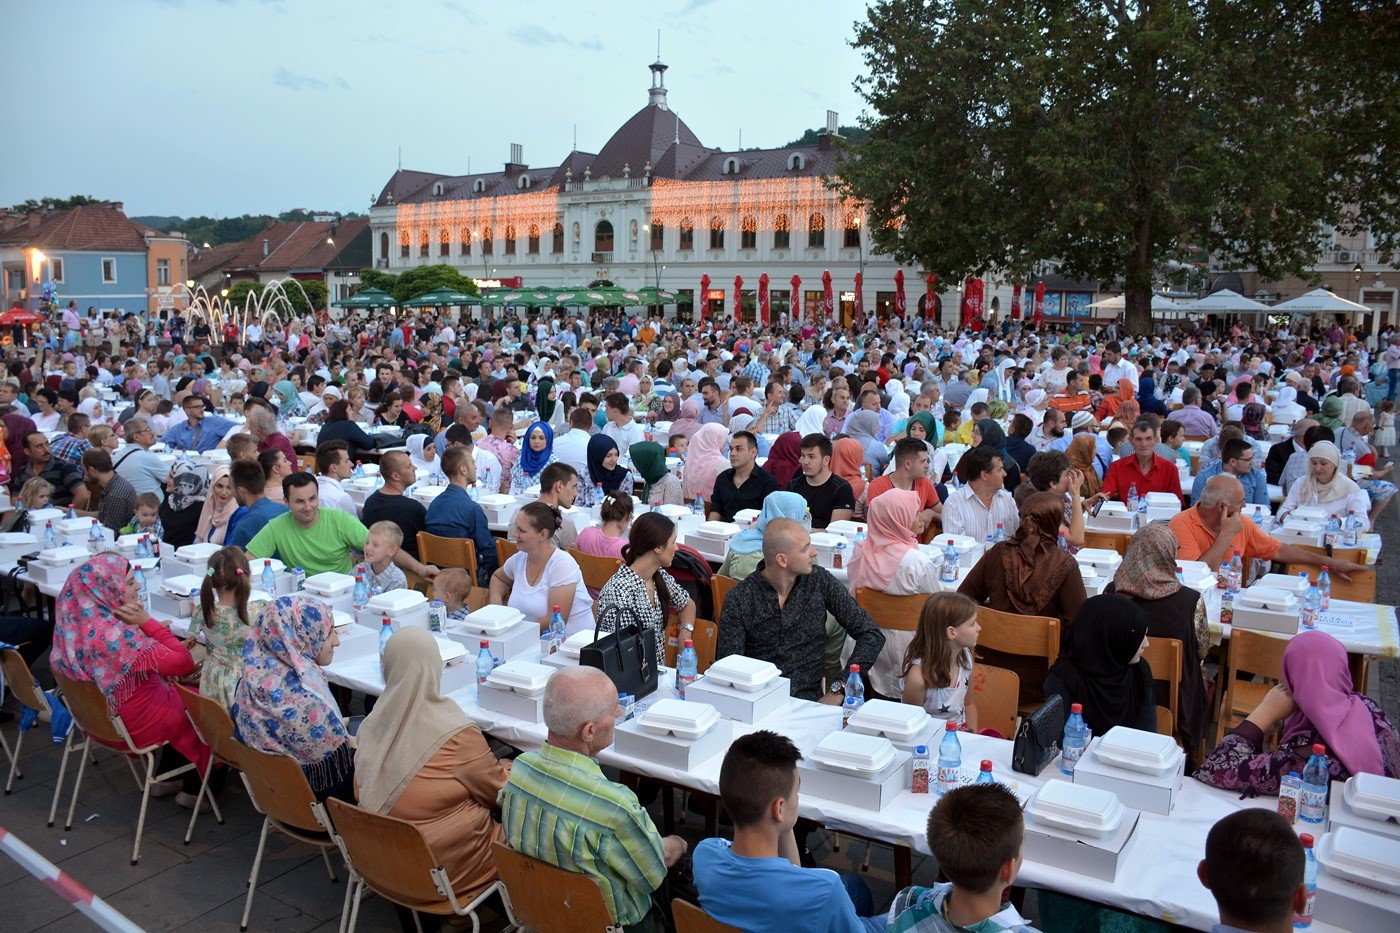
(90, 642)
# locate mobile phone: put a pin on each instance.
(1094, 509)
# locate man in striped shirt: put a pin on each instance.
(559, 808)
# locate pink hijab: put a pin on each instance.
(877, 558)
(1317, 677)
(689, 421)
(704, 460)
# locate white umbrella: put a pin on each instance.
(1227, 300)
(1117, 301)
(1319, 301)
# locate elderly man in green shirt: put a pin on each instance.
(559, 807)
(318, 540)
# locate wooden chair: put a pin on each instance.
(1163, 655)
(996, 691)
(95, 720)
(20, 679)
(391, 858)
(693, 919)
(1361, 588)
(1256, 653)
(214, 727)
(1029, 636)
(279, 790)
(719, 590)
(504, 550)
(706, 637)
(448, 552)
(896, 613)
(1165, 724)
(597, 571)
(548, 899)
(1107, 541)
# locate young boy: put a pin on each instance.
(1254, 870)
(146, 520)
(975, 833)
(677, 444)
(381, 544)
(452, 586)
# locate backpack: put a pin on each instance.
(692, 571)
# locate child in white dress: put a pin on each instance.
(1385, 428)
(938, 663)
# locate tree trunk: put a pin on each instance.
(1137, 282)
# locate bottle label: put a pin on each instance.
(918, 783)
(1288, 804)
(948, 776)
(1308, 617)
(1312, 805)
(1069, 756)
(1305, 918)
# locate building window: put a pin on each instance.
(687, 234)
(163, 272)
(444, 243)
(603, 237)
(534, 244)
(748, 232)
(56, 271)
(466, 242)
(423, 244)
(523, 183)
(384, 246)
(797, 162)
(716, 232)
(510, 239)
(109, 271)
(782, 236)
(658, 236)
(851, 238)
(437, 189)
(816, 231)
(403, 250)
(486, 241)
(479, 185)
(558, 236)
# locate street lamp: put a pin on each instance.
(860, 243)
(1356, 276)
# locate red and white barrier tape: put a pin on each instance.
(93, 907)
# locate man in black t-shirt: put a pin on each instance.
(388, 503)
(743, 485)
(830, 497)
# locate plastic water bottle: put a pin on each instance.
(919, 770)
(1075, 740)
(1331, 537)
(687, 667)
(838, 556)
(698, 508)
(269, 578)
(999, 535)
(1142, 512)
(143, 588)
(556, 628)
(1351, 530)
(948, 573)
(143, 547)
(1303, 919)
(485, 664)
(72, 513)
(50, 537)
(1181, 576)
(949, 758)
(627, 703)
(1311, 608)
(437, 615)
(386, 631)
(855, 687)
(984, 773)
(473, 491)
(849, 706)
(860, 533)
(1312, 801)
(1062, 543)
(807, 518)
(1132, 498)
(1235, 574)
(360, 594)
(359, 471)
(1324, 587)
(95, 538)
(488, 481)
(1348, 462)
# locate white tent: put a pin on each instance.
(1117, 301)
(1227, 300)
(1319, 301)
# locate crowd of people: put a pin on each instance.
(1009, 438)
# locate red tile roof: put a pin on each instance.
(214, 258)
(90, 227)
(293, 246)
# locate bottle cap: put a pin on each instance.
(986, 765)
(855, 668)
(486, 644)
(689, 643)
(556, 608)
(1306, 839)
(921, 749)
(849, 701)
(950, 726)
(1319, 749)
(1076, 708)
(950, 542)
(386, 621)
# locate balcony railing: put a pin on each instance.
(602, 258)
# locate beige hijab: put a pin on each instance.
(409, 723)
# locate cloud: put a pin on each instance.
(695, 5)
(299, 82)
(461, 10)
(540, 37)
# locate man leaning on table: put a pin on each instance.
(778, 614)
(1213, 529)
(558, 806)
(200, 431)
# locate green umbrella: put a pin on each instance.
(367, 298)
(652, 295)
(573, 298)
(440, 297)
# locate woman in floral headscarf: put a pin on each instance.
(283, 704)
(186, 488)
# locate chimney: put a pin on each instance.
(827, 140)
(34, 218)
(117, 206)
(516, 165)
(266, 250)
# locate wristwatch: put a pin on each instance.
(836, 687)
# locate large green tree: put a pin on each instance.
(1117, 135)
(418, 281)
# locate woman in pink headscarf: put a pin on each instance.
(1315, 703)
(689, 421)
(704, 461)
(889, 561)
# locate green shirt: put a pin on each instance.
(558, 807)
(322, 548)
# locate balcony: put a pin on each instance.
(382, 263)
(602, 259)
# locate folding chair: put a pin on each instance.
(691, 918)
(214, 727)
(1163, 655)
(549, 899)
(1027, 636)
(20, 679)
(719, 590)
(996, 691)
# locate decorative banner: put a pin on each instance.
(828, 300)
(1039, 315)
(860, 301)
(1015, 302)
(930, 299)
(738, 298)
(763, 309)
(965, 305)
(704, 296)
(795, 305)
(900, 305)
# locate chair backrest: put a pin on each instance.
(90, 710)
(1254, 653)
(390, 854)
(478, 596)
(596, 571)
(1031, 636)
(1361, 588)
(504, 550)
(719, 589)
(1163, 655)
(1166, 722)
(1357, 555)
(692, 919)
(705, 637)
(1107, 541)
(996, 691)
(279, 788)
(213, 724)
(447, 552)
(20, 679)
(549, 899)
(896, 613)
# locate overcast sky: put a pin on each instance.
(225, 107)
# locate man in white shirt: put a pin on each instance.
(332, 466)
(254, 333)
(136, 464)
(571, 447)
(621, 427)
(982, 502)
(1115, 367)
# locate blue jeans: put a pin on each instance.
(1394, 384)
(864, 903)
(37, 634)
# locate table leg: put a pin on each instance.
(903, 867)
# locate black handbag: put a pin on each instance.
(627, 654)
(1038, 738)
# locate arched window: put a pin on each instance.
(717, 232)
(444, 242)
(782, 232)
(510, 239)
(534, 244)
(466, 242)
(437, 188)
(405, 242)
(816, 231)
(423, 243)
(851, 237)
(748, 232)
(486, 240)
(658, 235)
(384, 246)
(797, 162)
(687, 234)
(479, 185)
(731, 166)
(603, 237)
(523, 183)
(558, 245)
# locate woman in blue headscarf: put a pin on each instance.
(535, 454)
(746, 550)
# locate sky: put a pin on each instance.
(226, 107)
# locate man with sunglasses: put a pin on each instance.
(136, 464)
(201, 432)
(1237, 460)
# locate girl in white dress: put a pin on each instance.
(938, 662)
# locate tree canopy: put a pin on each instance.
(852, 134)
(57, 204)
(1119, 135)
(417, 281)
(310, 297)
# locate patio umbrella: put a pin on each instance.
(860, 298)
(795, 300)
(367, 298)
(1117, 302)
(900, 305)
(763, 309)
(738, 298)
(1319, 301)
(704, 296)
(1038, 316)
(1016, 302)
(570, 298)
(965, 305)
(439, 298)
(1225, 300)
(18, 317)
(828, 299)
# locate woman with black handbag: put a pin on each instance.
(642, 592)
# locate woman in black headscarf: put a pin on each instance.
(1102, 669)
(988, 433)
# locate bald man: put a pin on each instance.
(560, 792)
(778, 614)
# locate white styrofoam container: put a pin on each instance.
(890, 720)
(674, 512)
(741, 673)
(719, 531)
(15, 544)
(680, 718)
(1340, 813)
(63, 554)
(575, 643)
(865, 791)
(844, 528)
(426, 494)
(450, 651)
(341, 620)
(1310, 513)
(1153, 793)
(165, 603)
(1373, 796)
(1294, 585)
(833, 551)
(520, 676)
(1104, 561)
(744, 518)
(73, 526)
(184, 585)
(1074, 808)
(200, 553)
(256, 564)
(1091, 856)
(330, 584)
(404, 607)
(492, 621)
(741, 705)
(853, 753)
(1259, 514)
(510, 703)
(1163, 500)
(969, 549)
(1269, 600)
(1136, 750)
(671, 751)
(1364, 858)
(1197, 575)
(37, 518)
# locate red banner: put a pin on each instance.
(965, 305)
(828, 299)
(930, 299)
(860, 300)
(738, 298)
(704, 301)
(795, 300)
(900, 304)
(1039, 314)
(1015, 302)
(763, 309)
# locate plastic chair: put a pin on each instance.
(1256, 653)
(996, 692)
(20, 679)
(280, 792)
(719, 590)
(95, 720)
(1361, 588)
(447, 552)
(548, 899)
(1163, 655)
(693, 919)
(896, 613)
(596, 571)
(391, 858)
(1028, 636)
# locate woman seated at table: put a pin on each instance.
(390, 411)
(704, 461)
(1029, 575)
(1324, 486)
(419, 758)
(540, 576)
(218, 508)
(603, 468)
(608, 538)
(889, 561)
(283, 704)
(1314, 703)
(746, 548)
(1101, 667)
(340, 426)
(105, 636)
(642, 592)
(536, 453)
(661, 486)
(1147, 576)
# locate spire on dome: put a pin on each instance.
(657, 95)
